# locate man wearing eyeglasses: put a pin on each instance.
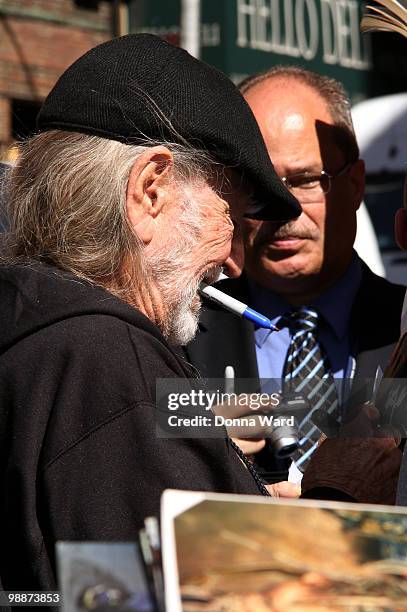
(336, 317)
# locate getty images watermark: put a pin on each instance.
(194, 408)
(226, 402)
(200, 408)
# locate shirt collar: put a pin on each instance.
(335, 304)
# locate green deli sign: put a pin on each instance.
(326, 31)
(245, 36)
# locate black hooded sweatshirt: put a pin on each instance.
(79, 455)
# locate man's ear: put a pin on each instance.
(357, 176)
(400, 227)
(148, 190)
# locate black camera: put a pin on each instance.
(283, 439)
(273, 461)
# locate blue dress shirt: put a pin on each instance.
(335, 306)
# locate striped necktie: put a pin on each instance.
(307, 372)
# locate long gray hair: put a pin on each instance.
(66, 200)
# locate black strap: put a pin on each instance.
(251, 469)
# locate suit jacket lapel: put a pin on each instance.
(375, 322)
(374, 327)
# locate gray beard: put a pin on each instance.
(167, 270)
(184, 316)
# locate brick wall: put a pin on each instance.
(38, 40)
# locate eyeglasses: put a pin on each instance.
(310, 185)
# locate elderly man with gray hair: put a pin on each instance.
(131, 194)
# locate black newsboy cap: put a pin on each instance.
(140, 87)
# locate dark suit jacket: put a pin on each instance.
(226, 339)
(398, 369)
